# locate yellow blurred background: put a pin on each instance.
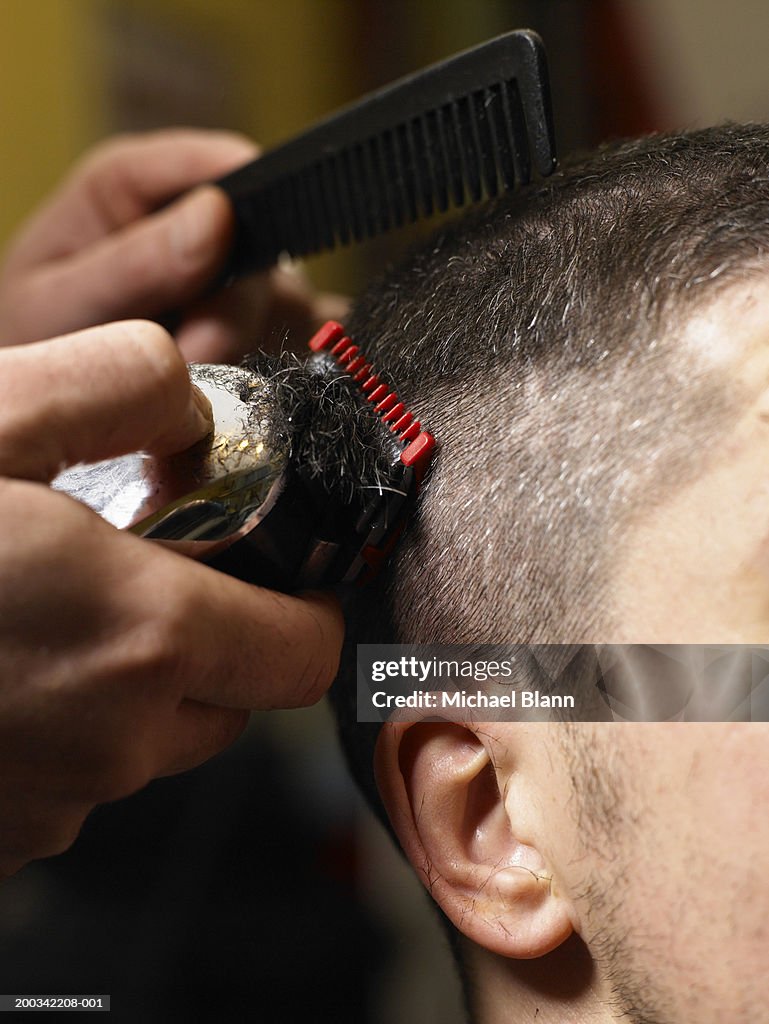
(73, 71)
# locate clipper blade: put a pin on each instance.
(261, 499)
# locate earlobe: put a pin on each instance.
(439, 785)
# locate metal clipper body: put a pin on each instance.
(242, 503)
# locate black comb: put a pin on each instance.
(447, 135)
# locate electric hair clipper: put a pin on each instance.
(306, 480)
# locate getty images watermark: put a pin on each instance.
(563, 682)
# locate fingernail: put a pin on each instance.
(202, 412)
(197, 222)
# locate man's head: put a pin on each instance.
(581, 350)
(593, 355)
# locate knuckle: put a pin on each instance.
(157, 646)
(100, 171)
(162, 637)
(139, 690)
(107, 152)
(17, 412)
(30, 536)
(19, 292)
(13, 431)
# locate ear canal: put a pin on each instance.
(440, 787)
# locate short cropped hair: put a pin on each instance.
(539, 338)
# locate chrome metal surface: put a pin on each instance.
(207, 496)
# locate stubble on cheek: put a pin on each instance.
(606, 815)
(670, 872)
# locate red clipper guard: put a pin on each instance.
(380, 526)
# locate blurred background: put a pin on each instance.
(257, 887)
(74, 71)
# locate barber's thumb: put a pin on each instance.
(99, 393)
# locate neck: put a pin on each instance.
(560, 988)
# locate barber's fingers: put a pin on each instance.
(107, 247)
(154, 264)
(270, 311)
(238, 645)
(43, 814)
(282, 651)
(95, 394)
(258, 649)
(121, 181)
(224, 327)
(196, 733)
(38, 824)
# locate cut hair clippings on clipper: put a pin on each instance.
(306, 480)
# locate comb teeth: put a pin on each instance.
(473, 146)
(469, 127)
(332, 339)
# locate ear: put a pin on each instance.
(440, 788)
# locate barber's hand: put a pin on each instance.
(115, 241)
(119, 659)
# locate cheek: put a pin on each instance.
(682, 878)
(669, 873)
(726, 791)
(696, 569)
